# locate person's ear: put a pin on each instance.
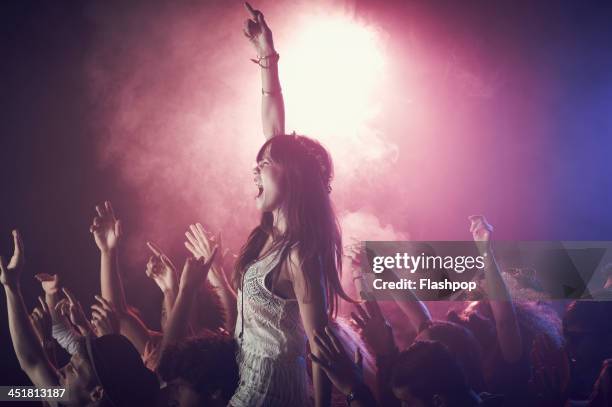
(97, 393)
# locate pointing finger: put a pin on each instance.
(154, 248)
(71, 299)
(250, 9)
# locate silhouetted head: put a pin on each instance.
(462, 343)
(108, 371)
(427, 375)
(201, 371)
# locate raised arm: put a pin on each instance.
(200, 245)
(106, 229)
(161, 270)
(29, 351)
(194, 274)
(272, 104)
(415, 310)
(506, 324)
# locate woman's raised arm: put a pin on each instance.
(272, 104)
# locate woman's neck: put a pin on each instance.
(279, 222)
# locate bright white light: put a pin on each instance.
(333, 73)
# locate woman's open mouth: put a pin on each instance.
(260, 192)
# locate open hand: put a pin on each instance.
(195, 271)
(200, 242)
(374, 329)
(258, 32)
(104, 318)
(161, 269)
(345, 373)
(481, 231)
(10, 273)
(106, 228)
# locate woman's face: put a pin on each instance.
(268, 182)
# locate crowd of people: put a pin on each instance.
(281, 329)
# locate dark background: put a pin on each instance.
(48, 157)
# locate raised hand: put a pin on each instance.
(106, 228)
(104, 318)
(200, 242)
(374, 329)
(481, 231)
(71, 308)
(345, 373)
(195, 271)
(258, 32)
(50, 283)
(161, 269)
(41, 321)
(10, 273)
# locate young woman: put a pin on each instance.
(287, 274)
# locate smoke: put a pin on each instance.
(407, 112)
(178, 101)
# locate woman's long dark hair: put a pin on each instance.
(312, 226)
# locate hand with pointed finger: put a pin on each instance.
(481, 231)
(49, 282)
(41, 321)
(104, 318)
(195, 272)
(344, 372)
(10, 273)
(73, 310)
(161, 269)
(258, 32)
(374, 329)
(106, 228)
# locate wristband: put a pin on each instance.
(274, 57)
(271, 92)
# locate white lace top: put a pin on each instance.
(272, 346)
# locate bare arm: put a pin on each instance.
(200, 244)
(415, 310)
(106, 229)
(194, 272)
(29, 351)
(161, 270)
(135, 330)
(506, 324)
(272, 103)
(345, 374)
(378, 335)
(312, 302)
